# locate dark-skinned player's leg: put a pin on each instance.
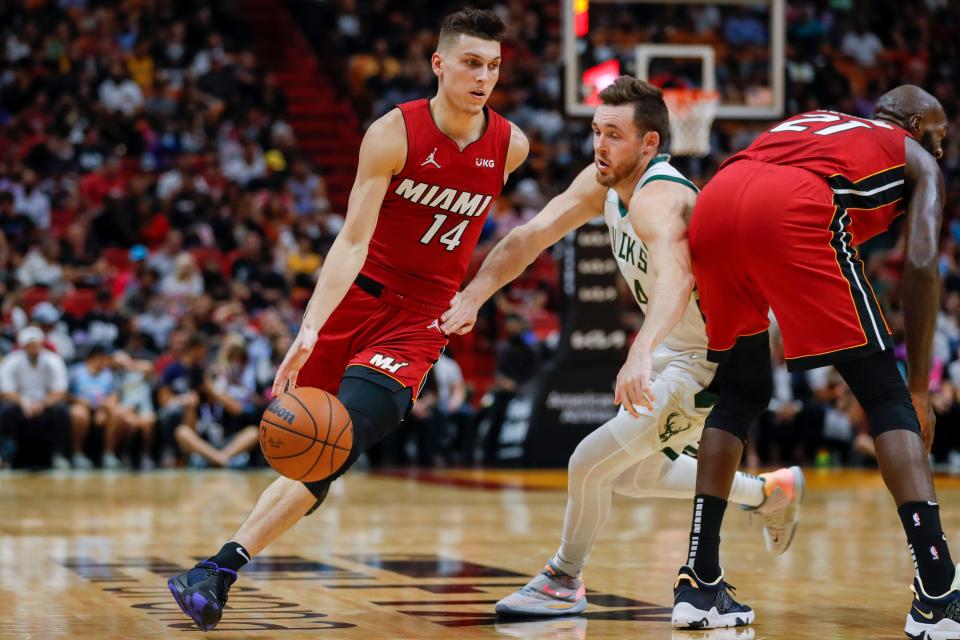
(736, 313)
(876, 382)
(702, 599)
(905, 466)
(716, 469)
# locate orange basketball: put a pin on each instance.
(306, 434)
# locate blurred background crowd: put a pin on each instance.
(164, 211)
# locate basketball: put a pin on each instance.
(306, 434)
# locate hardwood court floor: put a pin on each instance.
(399, 556)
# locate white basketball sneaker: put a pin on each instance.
(549, 593)
(780, 511)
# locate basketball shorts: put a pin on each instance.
(379, 331)
(683, 401)
(768, 237)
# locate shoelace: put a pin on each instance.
(212, 571)
(952, 610)
(725, 596)
(549, 573)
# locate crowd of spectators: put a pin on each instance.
(161, 229)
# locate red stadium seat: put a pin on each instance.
(78, 302)
(229, 259)
(117, 257)
(32, 296)
(60, 220)
(205, 254)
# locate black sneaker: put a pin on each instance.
(934, 618)
(706, 605)
(202, 591)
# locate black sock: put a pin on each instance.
(928, 545)
(231, 556)
(704, 556)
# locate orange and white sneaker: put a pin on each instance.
(783, 490)
(550, 593)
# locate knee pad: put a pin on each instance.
(879, 388)
(746, 384)
(376, 404)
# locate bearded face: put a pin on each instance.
(619, 150)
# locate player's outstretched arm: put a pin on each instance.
(582, 201)
(658, 213)
(921, 276)
(382, 155)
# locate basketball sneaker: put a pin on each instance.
(549, 593)
(202, 591)
(934, 618)
(783, 491)
(706, 605)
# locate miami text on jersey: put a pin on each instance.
(435, 196)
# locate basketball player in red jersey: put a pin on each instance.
(776, 229)
(428, 171)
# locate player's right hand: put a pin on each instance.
(461, 316)
(296, 356)
(928, 419)
(633, 382)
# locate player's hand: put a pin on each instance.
(633, 382)
(461, 316)
(296, 356)
(928, 419)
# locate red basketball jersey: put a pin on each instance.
(862, 161)
(436, 206)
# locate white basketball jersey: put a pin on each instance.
(633, 257)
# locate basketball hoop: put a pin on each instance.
(691, 116)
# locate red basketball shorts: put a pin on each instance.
(767, 237)
(401, 342)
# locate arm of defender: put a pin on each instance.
(582, 200)
(382, 155)
(921, 277)
(658, 213)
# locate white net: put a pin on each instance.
(691, 116)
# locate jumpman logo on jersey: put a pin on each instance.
(434, 325)
(431, 159)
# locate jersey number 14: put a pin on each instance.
(451, 239)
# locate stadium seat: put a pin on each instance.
(78, 302)
(117, 257)
(32, 296)
(60, 220)
(206, 254)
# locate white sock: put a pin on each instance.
(747, 489)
